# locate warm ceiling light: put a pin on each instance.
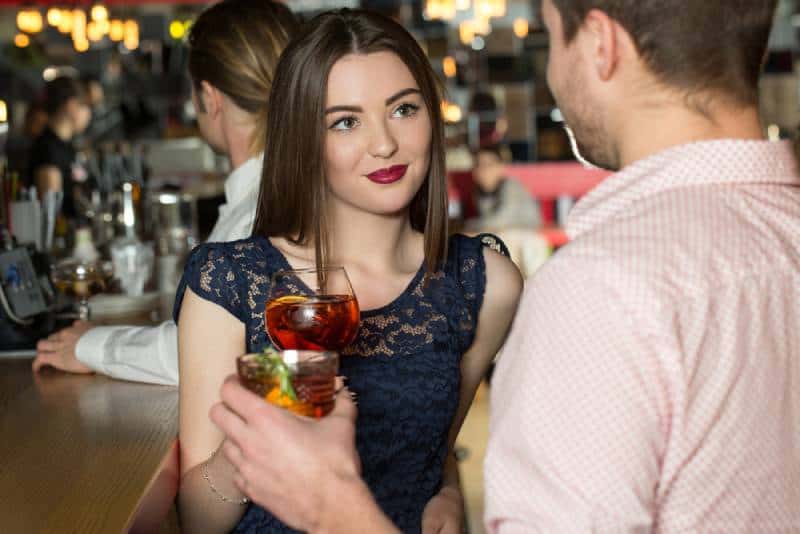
(466, 31)
(498, 8)
(29, 21)
(449, 66)
(78, 25)
(93, 31)
(116, 30)
(131, 39)
(54, 16)
(81, 45)
(99, 12)
(21, 40)
(3, 111)
(462, 5)
(520, 28)
(35, 21)
(65, 25)
(452, 113)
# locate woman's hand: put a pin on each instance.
(444, 513)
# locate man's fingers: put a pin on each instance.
(246, 404)
(230, 423)
(40, 361)
(48, 345)
(232, 452)
(345, 406)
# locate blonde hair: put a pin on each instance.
(234, 45)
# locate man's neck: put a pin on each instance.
(657, 126)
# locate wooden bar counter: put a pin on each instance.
(84, 453)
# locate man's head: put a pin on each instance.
(698, 51)
(65, 99)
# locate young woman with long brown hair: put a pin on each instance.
(354, 177)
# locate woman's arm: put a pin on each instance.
(209, 340)
(503, 289)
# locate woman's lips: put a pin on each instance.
(388, 175)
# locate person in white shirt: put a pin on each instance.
(233, 50)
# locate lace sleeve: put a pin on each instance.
(212, 274)
(467, 253)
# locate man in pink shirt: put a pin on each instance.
(651, 382)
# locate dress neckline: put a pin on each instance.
(415, 280)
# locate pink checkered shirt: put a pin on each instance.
(651, 381)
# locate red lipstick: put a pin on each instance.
(388, 175)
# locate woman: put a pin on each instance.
(233, 49)
(355, 178)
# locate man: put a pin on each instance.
(53, 164)
(230, 89)
(650, 380)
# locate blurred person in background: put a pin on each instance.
(19, 144)
(107, 122)
(233, 49)
(501, 202)
(53, 161)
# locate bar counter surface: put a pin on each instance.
(84, 453)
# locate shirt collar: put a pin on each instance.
(726, 161)
(243, 180)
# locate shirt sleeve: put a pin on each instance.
(579, 405)
(139, 354)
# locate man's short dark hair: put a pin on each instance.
(59, 91)
(693, 45)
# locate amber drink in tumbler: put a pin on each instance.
(301, 381)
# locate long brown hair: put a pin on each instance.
(693, 45)
(293, 194)
(234, 45)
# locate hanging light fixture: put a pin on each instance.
(99, 12)
(54, 16)
(521, 28)
(65, 24)
(116, 30)
(449, 66)
(131, 38)
(21, 40)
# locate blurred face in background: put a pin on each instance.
(79, 114)
(569, 77)
(378, 133)
(489, 170)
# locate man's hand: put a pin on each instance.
(58, 350)
(444, 513)
(287, 463)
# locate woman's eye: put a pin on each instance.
(345, 123)
(406, 110)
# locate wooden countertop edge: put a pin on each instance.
(158, 498)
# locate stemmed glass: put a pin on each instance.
(312, 309)
(82, 280)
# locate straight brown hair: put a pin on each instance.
(234, 45)
(693, 45)
(293, 194)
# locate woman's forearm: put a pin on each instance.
(201, 508)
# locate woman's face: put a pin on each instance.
(378, 134)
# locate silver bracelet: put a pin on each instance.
(243, 501)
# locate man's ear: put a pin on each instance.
(602, 43)
(210, 99)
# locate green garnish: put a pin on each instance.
(275, 366)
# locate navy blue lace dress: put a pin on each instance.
(404, 364)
